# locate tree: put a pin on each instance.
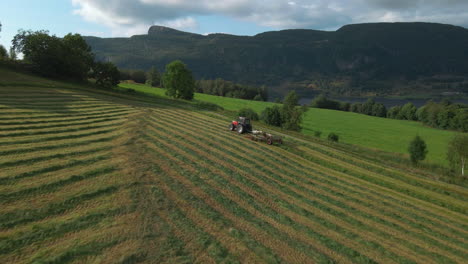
(68, 57)
(457, 153)
(408, 112)
(3, 53)
(417, 149)
(153, 78)
(248, 112)
(379, 110)
(272, 116)
(178, 81)
(291, 112)
(138, 76)
(368, 106)
(106, 74)
(13, 55)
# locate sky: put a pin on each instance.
(123, 18)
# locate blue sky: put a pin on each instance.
(58, 17)
(123, 18)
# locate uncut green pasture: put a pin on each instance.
(232, 104)
(373, 132)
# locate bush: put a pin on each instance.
(333, 137)
(417, 150)
(272, 116)
(317, 133)
(106, 74)
(322, 101)
(248, 112)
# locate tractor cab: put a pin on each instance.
(242, 125)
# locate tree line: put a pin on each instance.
(225, 88)
(443, 115)
(287, 116)
(69, 57)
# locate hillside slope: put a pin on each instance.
(375, 58)
(91, 176)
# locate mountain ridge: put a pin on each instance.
(379, 58)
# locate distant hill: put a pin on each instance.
(374, 58)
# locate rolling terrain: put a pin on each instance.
(384, 134)
(91, 176)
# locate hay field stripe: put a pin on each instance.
(72, 128)
(301, 158)
(277, 245)
(22, 217)
(87, 122)
(89, 132)
(180, 143)
(69, 119)
(240, 200)
(362, 219)
(198, 146)
(87, 141)
(61, 116)
(37, 172)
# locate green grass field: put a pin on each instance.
(94, 176)
(372, 132)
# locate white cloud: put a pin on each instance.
(126, 17)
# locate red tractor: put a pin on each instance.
(242, 125)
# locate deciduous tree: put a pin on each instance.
(178, 81)
(457, 153)
(417, 150)
(153, 77)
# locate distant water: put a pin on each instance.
(388, 102)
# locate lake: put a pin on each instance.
(388, 102)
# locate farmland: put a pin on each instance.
(94, 176)
(378, 133)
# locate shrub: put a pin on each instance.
(248, 112)
(317, 133)
(272, 116)
(333, 137)
(417, 150)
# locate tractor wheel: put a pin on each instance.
(231, 127)
(240, 129)
(269, 141)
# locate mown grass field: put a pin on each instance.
(372, 132)
(95, 177)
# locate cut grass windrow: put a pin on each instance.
(72, 128)
(181, 143)
(58, 117)
(21, 217)
(293, 157)
(52, 186)
(41, 233)
(29, 128)
(225, 183)
(72, 163)
(35, 159)
(375, 199)
(72, 136)
(65, 120)
(227, 213)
